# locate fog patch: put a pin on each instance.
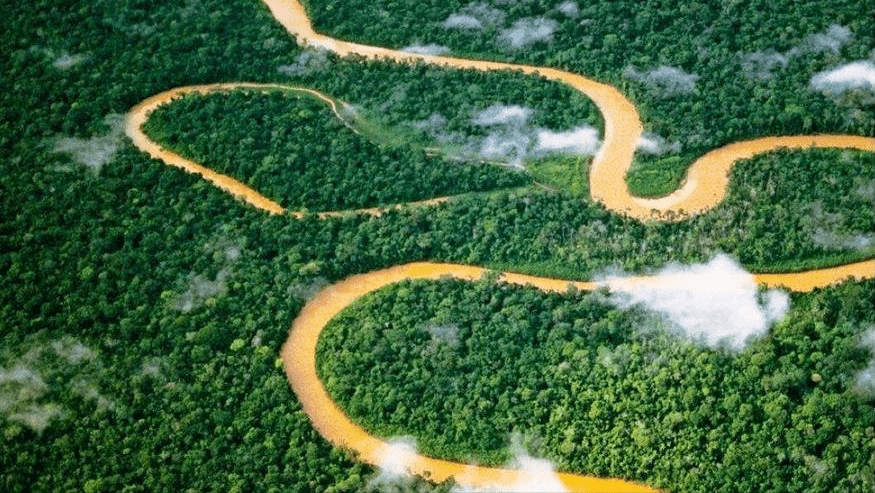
(760, 64)
(717, 303)
(826, 229)
(311, 60)
(84, 387)
(474, 16)
(664, 81)
(835, 241)
(305, 290)
(66, 61)
(499, 114)
(510, 138)
(536, 475)
(569, 8)
(24, 388)
(527, 31)
(582, 140)
(854, 75)
(396, 457)
(444, 334)
(830, 41)
(199, 288)
(152, 368)
(461, 21)
(656, 145)
(435, 127)
(96, 151)
(429, 49)
(72, 351)
(864, 380)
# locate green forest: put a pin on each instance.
(298, 152)
(615, 392)
(143, 309)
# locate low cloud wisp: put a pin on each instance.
(393, 474)
(25, 389)
(312, 60)
(527, 31)
(665, 81)
(855, 75)
(537, 475)
(717, 302)
(510, 137)
(864, 380)
(761, 65)
(96, 151)
(580, 141)
(474, 16)
(655, 145)
(429, 49)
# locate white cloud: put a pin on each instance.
(96, 151)
(830, 40)
(72, 350)
(474, 16)
(398, 454)
(396, 458)
(665, 80)
(24, 385)
(581, 140)
(429, 49)
(462, 21)
(66, 61)
(200, 289)
(312, 60)
(509, 139)
(536, 475)
(760, 64)
(864, 380)
(568, 8)
(650, 143)
(855, 75)
(499, 114)
(444, 333)
(37, 417)
(527, 31)
(718, 301)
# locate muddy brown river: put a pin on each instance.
(704, 187)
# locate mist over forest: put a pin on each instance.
(144, 309)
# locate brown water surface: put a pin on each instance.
(704, 187)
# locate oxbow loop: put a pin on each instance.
(703, 189)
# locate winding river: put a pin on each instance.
(704, 187)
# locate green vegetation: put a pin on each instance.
(176, 298)
(566, 173)
(462, 367)
(296, 151)
(656, 177)
(702, 75)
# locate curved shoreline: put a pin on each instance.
(139, 114)
(703, 188)
(299, 357)
(705, 184)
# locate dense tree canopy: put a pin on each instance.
(463, 367)
(296, 151)
(142, 309)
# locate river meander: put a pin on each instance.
(704, 187)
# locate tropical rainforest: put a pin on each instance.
(610, 391)
(143, 309)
